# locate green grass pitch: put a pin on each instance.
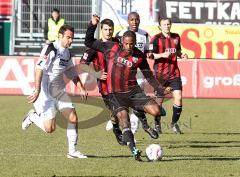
(209, 147)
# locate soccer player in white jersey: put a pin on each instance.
(50, 96)
(141, 35)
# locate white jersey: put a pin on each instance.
(54, 66)
(142, 38)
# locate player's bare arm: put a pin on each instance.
(83, 92)
(98, 74)
(39, 74)
(161, 55)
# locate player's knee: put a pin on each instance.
(49, 129)
(73, 119)
(155, 111)
(121, 115)
(178, 99)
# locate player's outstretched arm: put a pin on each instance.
(145, 69)
(39, 74)
(83, 92)
(98, 74)
(90, 41)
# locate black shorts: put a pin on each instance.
(136, 99)
(106, 101)
(175, 84)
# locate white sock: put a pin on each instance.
(134, 123)
(72, 136)
(37, 120)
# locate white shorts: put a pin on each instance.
(47, 106)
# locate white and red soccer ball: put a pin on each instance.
(154, 152)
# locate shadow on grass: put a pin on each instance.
(93, 121)
(202, 144)
(234, 133)
(196, 157)
(109, 156)
(172, 158)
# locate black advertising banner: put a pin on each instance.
(217, 12)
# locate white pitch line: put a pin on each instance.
(32, 155)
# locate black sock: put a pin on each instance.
(157, 120)
(176, 113)
(128, 137)
(115, 124)
(142, 117)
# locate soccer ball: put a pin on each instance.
(154, 152)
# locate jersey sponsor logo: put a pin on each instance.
(140, 45)
(85, 56)
(135, 59)
(175, 41)
(124, 62)
(210, 82)
(150, 47)
(63, 62)
(171, 50)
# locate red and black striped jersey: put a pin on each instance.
(99, 64)
(97, 58)
(166, 68)
(121, 67)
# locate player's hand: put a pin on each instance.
(83, 94)
(150, 55)
(168, 90)
(95, 19)
(184, 56)
(101, 75)
(166, 54)
(32, 98)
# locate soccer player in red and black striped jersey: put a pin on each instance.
(99, 64)
(142, 42)
(122, 62)
(166, 47)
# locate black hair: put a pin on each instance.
(133, 13)
(129, 33)
(56, 10)
(108, 22)
(65, 28)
